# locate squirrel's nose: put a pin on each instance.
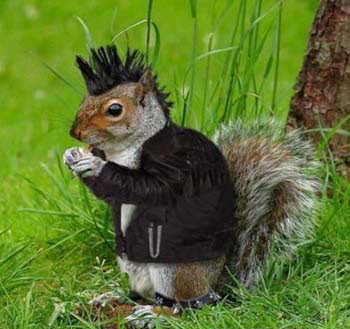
(75, 133)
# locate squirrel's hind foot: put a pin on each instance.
(146, 316)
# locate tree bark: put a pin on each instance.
(322, 91)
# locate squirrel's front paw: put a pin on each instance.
(72, 156)
(83, 163)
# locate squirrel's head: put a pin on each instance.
(124, 103)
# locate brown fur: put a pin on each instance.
(248, 160)
(194, 279)
(92, 116)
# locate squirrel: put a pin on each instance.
(186, 209)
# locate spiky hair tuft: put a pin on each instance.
(107, 70)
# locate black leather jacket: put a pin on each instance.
(184, 198)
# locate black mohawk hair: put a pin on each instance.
(107, 70)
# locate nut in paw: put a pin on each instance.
(83, 163)
(72, 156)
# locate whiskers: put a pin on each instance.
(56, 122)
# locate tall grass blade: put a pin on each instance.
(130, 27)
(199, 58)
(206, 85)
(49, 212)
(216, 25)
(193, 4)
(27, 309)
(184, 110)
(277, 63)
(225, 68)
(113, 21)
(64, 240)
(43, 194)
(237, 56)
(88, 36)
(4, 231)
(60, 77)
(330, 132)
(234, 65)
(60, 187)
(13, 253)
(156, 45)
(149, 21)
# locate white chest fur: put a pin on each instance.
(129, 158)
(144, 278)
(127, 211)
(139, 276)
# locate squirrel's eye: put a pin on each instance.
(115, 109)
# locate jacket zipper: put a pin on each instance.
(154, 254)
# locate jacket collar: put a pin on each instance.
(162, 138)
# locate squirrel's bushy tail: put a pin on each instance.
(274, 175)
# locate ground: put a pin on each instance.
(56, 244)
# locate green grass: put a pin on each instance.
(55, 238)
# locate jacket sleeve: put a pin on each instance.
(157, 185)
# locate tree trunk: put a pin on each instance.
(322, 91)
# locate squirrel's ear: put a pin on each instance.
(145, 84)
